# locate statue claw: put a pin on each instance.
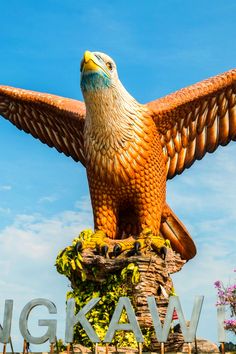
(106, 247)
(117, 250)
(137, 248)
(135, 251)
(79, 246)
(104, 251)
(163, 252)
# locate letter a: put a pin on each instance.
(124, 302)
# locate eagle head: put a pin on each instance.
(98, 72)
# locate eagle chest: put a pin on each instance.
(127, 174)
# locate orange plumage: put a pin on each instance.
(129, 149)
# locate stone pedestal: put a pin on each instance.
(154, 277)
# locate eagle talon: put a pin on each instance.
(163, 252)
(135, 250)
(79, 246)
(104, 251)
(117, 250)
(137, 247)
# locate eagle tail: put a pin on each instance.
(173, 230)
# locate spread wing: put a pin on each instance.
(54, 120)
(196, 120)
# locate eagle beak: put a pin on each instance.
(91, 63)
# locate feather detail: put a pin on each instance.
(133, 152)
(200, 145)
(177, 142)
(55, 120)
(224, 128)
(172, 167)
(181, 159)
(120, 134)
(212, 113)
(202, 121)
(184, 137)
(212, 136)
(201, 116)
(190, 153)
(122, 160)
(232, 122)
(170, 148)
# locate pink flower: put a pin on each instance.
(217, 284)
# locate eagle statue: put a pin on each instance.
(129, 149)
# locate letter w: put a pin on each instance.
(189, 332)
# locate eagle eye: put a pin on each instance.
(109, 65)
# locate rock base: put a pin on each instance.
(154, 281)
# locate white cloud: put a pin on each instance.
(48, 199)
(5, 210)
(35, 236)
(213, 262)
(29, 247)
(204, 199)
(84, 204)
(5, 188)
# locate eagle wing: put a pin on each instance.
(54, 120)
(196, 120)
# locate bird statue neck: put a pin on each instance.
(107, 108)
(115, 125)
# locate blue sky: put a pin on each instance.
(159, 47)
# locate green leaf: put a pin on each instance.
(124, 273)
(130, 266)
(135, 278)
(79, 265)
(69, 295)
(80, 257)
(83, 275)
(72, 262)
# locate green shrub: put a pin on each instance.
(70, 263)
